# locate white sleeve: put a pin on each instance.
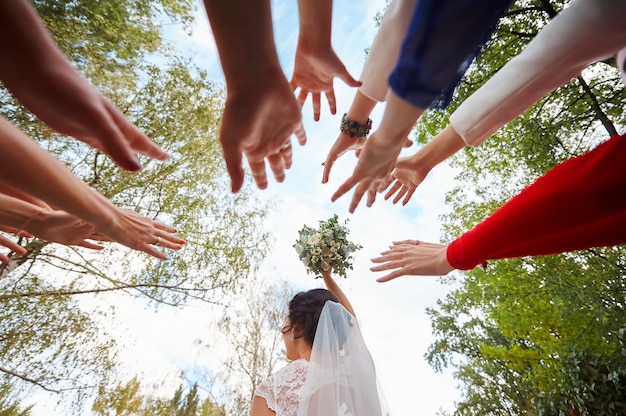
(385, 49)
(585, 32)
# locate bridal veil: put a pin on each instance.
(341, 379)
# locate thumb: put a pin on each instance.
(348, 79)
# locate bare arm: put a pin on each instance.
(381, 151)
(41, 78)
(409, 172)
(259, 407)
(316, 63)
(334, 288)
(49, 180)
(261, 112)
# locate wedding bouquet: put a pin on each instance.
(326, 248)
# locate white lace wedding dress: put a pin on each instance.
(282, 389)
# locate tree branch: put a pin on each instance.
(595, 105)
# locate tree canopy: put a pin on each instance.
(54, 300)
(542, 335)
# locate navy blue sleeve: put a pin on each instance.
(443, 38)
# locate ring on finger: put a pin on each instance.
(158, 241)
(286, 145)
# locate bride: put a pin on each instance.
(331, 371)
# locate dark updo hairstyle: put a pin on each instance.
(304, 312)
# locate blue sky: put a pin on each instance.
(392, 315)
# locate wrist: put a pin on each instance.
(355, 128)
(30, 223)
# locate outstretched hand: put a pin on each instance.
(140, 233)
(83, 113)
(343, 144)
(11, 245)
(314, 72)
(259, 124)
(403, 181)
(412, 257)
(371, 173)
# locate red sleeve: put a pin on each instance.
(578, 204)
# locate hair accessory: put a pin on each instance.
(354, 129)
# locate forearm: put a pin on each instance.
(244, 38)
(361, 108)
(48, 179)
(315, 23)
(16, 213)
(577, 204)
(398, 119)
(16, 193)
(334, 288)
(441, 147)
(31, 64)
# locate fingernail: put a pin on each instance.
(134, 165)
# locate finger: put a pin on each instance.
(356, 198)
(332, 102)
(328, 165)
(348, 79)
(258, 173)
(396, 186)
(316, 105)
(277, 166)
(408, 196)
(12, 245)
(100, 237)
(25, 234)
(302, 97)
(233, 159)
(163, 227)
(300, 134)
(371, 197)
(400, 194)
(166, 240)
(118, 149)
(90, 245)
(345, 187)
(138, 139)
(286, 153)
(390, 276)
(148, 249)
(405, 242)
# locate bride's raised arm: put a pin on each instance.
(334, 288)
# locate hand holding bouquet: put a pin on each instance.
(326, 248)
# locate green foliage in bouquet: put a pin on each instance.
(326, 248)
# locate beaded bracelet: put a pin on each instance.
(354, 129)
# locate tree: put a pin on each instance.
(127, 400)
(539, 335)
(249, 333)
(9, 406)
(51, 338)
